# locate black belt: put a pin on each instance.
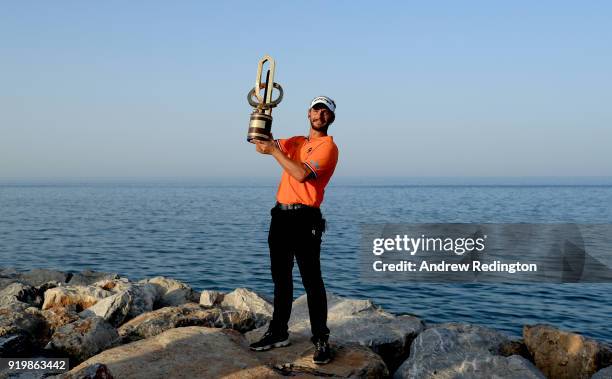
(290, 207)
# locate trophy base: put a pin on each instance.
(260, 127)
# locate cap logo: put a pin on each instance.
(329, 103)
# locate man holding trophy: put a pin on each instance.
(297, 225)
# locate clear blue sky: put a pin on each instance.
(445, 88)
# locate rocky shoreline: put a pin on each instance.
(111, 327)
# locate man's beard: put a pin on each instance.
(320, 128)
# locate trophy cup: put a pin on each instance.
(260, 126)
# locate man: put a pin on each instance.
(297, 226)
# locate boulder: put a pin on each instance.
(40, 276)
(605, 373)
(200, 352)
(113, 309)
(211, 298)
(82, 339)
(483, 366)
(171, 292)
(22, 330)
(4, 282)
(350, 360)
(58, 316)
(153, 323)
(560, 354)
(247, 300)
(88, 277)
(17, 292)
(144, 297)
(361, 322)
(455, 350)
(81, 297)
(194, 352)
(124, 305)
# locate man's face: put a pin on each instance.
(320, 117)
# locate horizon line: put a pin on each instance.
(342, 180)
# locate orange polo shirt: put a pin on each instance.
(320, 155)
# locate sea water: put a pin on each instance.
(214, 236)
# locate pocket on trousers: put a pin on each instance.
(318, 228)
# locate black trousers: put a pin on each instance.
(297, 233)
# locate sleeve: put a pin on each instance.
(287, 146)
(323, 159)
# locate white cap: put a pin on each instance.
(329, 103)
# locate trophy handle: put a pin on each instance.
(269, 79)
(267, 105)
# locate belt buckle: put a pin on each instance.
(290, 207)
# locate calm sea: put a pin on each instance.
(215, 237)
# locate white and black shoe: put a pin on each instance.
(270, 340)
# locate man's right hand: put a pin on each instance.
(265, 147)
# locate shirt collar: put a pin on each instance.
(320, 138)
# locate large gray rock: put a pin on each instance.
(350, 360)
(40, 276)
(83, 338)
(22, 330)
(115, 300)
(483, 366)
(461, 351)
(124, 305)
(211, 298)
(200, 352)
(17, 292)
(247, 300)
(144, 297)
(171, 292)
(156, 322)
(4, 282)
(123, 299)
(114, 308)
(361, 322)
(605, 373)
(560, 354)
(191, 352)
(88, 277)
